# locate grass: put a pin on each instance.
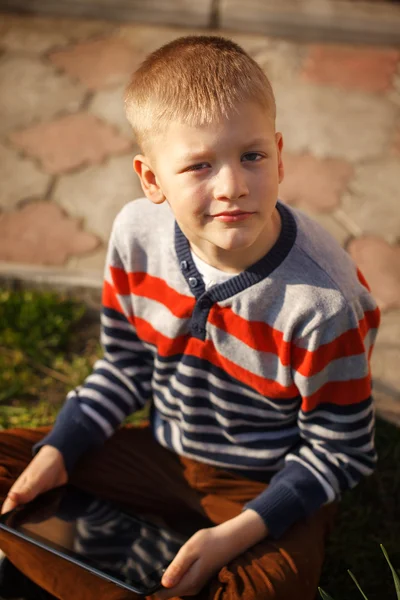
(48, 344)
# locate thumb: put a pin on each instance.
(20, 493)
(179, 566)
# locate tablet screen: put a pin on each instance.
(94, 533)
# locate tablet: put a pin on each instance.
(128, 550)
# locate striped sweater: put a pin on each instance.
(266, 374)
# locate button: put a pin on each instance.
(184, 265)
(192, 281)
(205, 303)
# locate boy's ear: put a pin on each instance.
(279, 146)
(148, 179)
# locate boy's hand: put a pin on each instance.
(45, 472)
(209, 550)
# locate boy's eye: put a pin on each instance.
(197, 167)
(252, 156)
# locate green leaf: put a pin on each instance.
(324, 595)
(395, 576)
(357, 584)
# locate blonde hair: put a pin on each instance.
(195, 80)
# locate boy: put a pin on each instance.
(244, 324)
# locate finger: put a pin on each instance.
(176, 570)
(8, 505)
(20, 493)
(187, 586)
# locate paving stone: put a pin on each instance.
(184, 13)
(109, 106)
(385, 367)
(313, 19)
(98, 63)
(36, 35)
(394, 94)
(396, 141)
(370, 69)
(333, 123)
(329, 179)
(380, 264)
(20, 179)
(70, 142)
(281, 60)
(331, 224)
(98, 193)
(373, 198)
(93, 262)
(144, 39)
(39, 233)
(32, 91)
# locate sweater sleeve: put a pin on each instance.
(120, 382)
(336, 419)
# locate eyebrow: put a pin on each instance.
(202, 155)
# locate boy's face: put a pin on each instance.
(221, 181)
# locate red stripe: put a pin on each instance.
(342, 393)
(362, 280)
(186, 344)
(350, 343)
(145, 285)
(255, 334)
(110, 299)
(266, 387)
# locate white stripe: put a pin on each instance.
(321, 466)
(343, 369)
(327, 434)
(226, 386)
(329, 491)
(103, 382)
(213, 399)
(210, 412)
(236, 450)
(334, 417)
(103, 401)
(116, 323)
(212, 429)
(94, 415)
(120, 375)
(134, 346)
(338, 457)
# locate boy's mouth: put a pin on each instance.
(232, 215)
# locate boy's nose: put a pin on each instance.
(230, 184)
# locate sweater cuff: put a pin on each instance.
(73, 434)
(293, 494)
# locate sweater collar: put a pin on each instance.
(250, 276)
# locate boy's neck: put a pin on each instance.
(237, 261)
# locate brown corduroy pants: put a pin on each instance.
(133, 470)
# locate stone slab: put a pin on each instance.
(182, 12)
(92, 263)
(21, 180)
(98, 193)
(309, 19)
(372, 201)
(40, 233)
(361, 68)
(385, 370)
(70, 142)
(109, 105)
(36, 35)
(329, 179)
(98, 63)
(32, 91)
(380, 264)
(333, 123)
